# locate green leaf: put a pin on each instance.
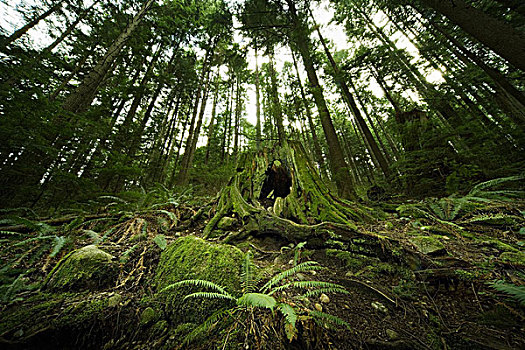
(257, 300)
(160, 240)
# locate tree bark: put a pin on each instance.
(499, 36)
(376, 153)
(339, 168)
(80, 99)
(18, 33)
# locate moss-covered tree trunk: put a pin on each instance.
(279, 191)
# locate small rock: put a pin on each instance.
(147, 316)
(379, 307)
(428, 245)
(278, 260)
(290, 262)
(226, 223)
(392, 335)
(114, 300)
(324, 299)
(318, 307)
(301, 277)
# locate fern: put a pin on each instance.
(209, 295)
(306, 266)
(516, 292)
(197, 283)
(247, 273)
(257, 300)
(322, 316)
(58, 244)
(290, 317)
(297, 252)
(315, 292)
(476, 190)
(206, 326)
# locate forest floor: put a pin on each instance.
(415, 280)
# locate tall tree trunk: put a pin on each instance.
(499, 36)
(19, 32)
(238, 111)
(211, 126)
(315, 139)
(498, 78)
(80, 99)
(340, 170)
(70, 28)
(276, 103)
(257, 104)
(349, 99)
(191, 141)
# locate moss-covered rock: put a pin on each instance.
(428, 245)
(86, 268)
(194, 258)
(227, 223)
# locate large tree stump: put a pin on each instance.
(279, 191)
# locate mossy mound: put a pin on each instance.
(194, 258)
(87, 268)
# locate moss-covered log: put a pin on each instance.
(279, 190)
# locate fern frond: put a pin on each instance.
(319, 291)
(209, 295)
(491, 183)
(59, 242)
(257, 300)
(516, 292)
(318, 316)
(289, 313)
(247, 273)
(11, 233)
(198, 283)
(305, 266)
(206, 326)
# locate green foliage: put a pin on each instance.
(160, 241)
(481, 196)
(516, 292)
(266, 299)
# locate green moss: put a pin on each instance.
(351, 260)
(147, 316)
(51, 311)
(514, 258)
(86, 268)
(193, 258)
(428, 245)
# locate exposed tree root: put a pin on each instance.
(304, 210)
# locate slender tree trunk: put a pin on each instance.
(70, 28)
(276, 103)
(499, 36)
(315, 139)
(18, 33)
(338, 165)
(191, 142)
(211, 126)
(257, 104)
(80, 99)
(498, 78)
(349, 99)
